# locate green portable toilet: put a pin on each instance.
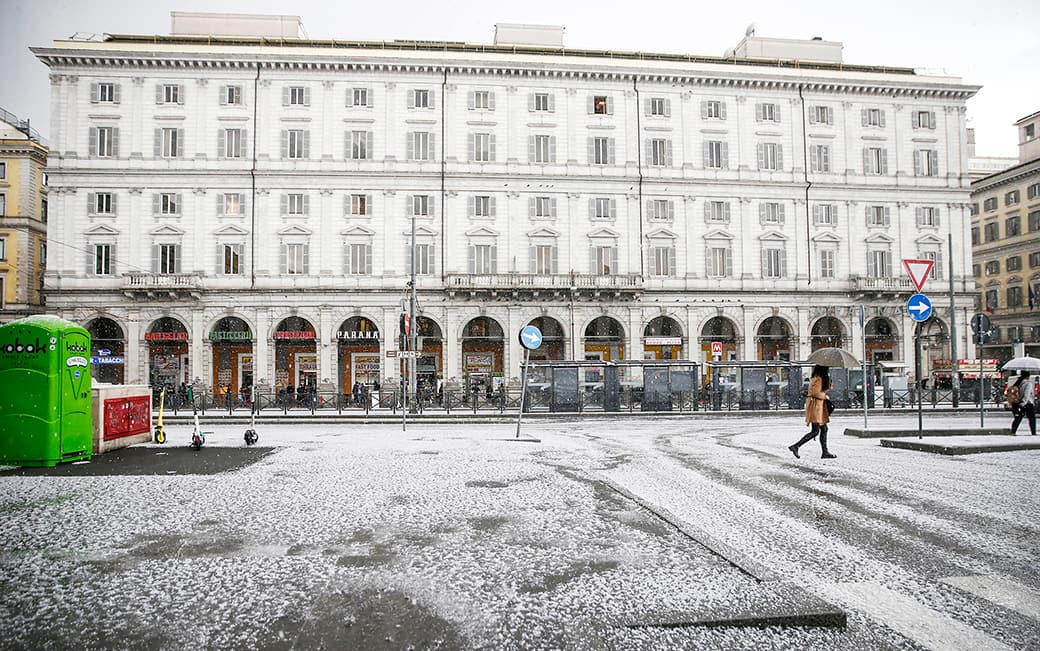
(45, 411)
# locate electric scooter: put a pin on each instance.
(251, 436)
(160, 434)
(198, 437)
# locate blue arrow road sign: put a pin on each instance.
(919, 307)
(530, 337)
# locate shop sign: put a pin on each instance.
(988, 365)
(662, 341)
(294, 334)
(166, 336)
(357, 334)
(230, 335)
(479, 363)
(366, 363)
(108, 359)
(307, 363)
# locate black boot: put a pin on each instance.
(802, 441)
(823, 444)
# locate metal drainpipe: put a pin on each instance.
(639, 170)
(444, 87)
(808, 184)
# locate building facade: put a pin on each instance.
(1005, 234)
(23, 218)
(242, 210)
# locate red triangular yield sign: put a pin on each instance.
(918, 270)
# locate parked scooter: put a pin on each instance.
(160, 434)
(251, 436)
(198, 437)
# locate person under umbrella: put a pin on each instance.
(1026, 405)
(816, 413)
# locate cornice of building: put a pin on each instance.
(1012, 175)
(24, 148)
(193, 53)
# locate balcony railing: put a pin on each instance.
(137, 281)
(616, 282)
(882, 285)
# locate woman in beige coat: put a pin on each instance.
(816, 411)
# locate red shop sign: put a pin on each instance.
(293, 334)
(166, 336)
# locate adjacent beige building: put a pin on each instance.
(23, 218)
(1005, 235)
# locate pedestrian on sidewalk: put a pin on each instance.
(816, 413)
(1026, 405)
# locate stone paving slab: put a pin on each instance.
(893, 433)
(1003, 444)
(773, 603)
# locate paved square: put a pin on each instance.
(678, 532)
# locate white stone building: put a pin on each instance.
(239, 209)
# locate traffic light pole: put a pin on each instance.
(954, 366)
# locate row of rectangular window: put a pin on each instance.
(600, 208)
(1011, 198)
(1015, 295)
(1012, 228)
(168, 93)
(1011, 264)
(231, 143)
(483, 259)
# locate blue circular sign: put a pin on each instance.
(919, 307)
(530, 337)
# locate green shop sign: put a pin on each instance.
(218, 335)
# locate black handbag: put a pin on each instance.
(829, 405)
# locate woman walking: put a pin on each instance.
(816, 413)
(1026, 405)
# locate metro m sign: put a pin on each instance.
(918, 270)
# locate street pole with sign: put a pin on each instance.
(530, 338)
(954, 370)
(863, 331)
(980, 330)
(919, 307)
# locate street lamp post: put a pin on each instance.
(413, 328)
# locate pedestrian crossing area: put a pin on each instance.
(928, 627)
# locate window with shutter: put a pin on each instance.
(768, 156)
(102, 259)
(718, 260)
(826, 266)
(421, 98)
(820, 158)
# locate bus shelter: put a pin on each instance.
(780, 384)
(610, 386)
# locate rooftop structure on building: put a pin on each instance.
(982, 166)
(1028, 137)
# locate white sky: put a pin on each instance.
(994, 43)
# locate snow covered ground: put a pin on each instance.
(457, 536)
